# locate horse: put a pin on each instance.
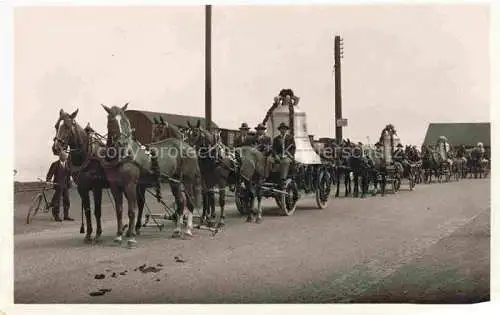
(342, 167)
(132, 164)
(163, 130)
(85, 167)
(216, 168)
(478, 163)
(415, 160)
(430, 163)
(376, 170)
(360, 168)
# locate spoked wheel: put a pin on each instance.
(239, 199)
(34, 207)
(323, 188)
(288, 202)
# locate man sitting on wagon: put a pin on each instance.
(263, 143)
(243, 138)
(283, 151)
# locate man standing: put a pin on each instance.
(263, 143)
(284, 151)
(59, 171)
(242, 139)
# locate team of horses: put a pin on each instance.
(195, 163)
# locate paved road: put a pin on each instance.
(429, 245)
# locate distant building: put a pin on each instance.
(458, 134)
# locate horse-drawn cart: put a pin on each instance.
(308, 174)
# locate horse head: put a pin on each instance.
(119, 127)
(67, 132)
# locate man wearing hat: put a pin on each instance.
(60, 173)
(284, 151)
(263, 143)
(243, 138)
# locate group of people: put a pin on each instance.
(278, 151)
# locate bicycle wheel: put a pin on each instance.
(34, 207)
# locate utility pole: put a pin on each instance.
(208, 66)
(339, 122)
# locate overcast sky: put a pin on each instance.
(405, 65)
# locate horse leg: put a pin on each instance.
(204, 215)
(179, 199)
(84, 195)
(118, 197)
(347, 182)
(97, 192)
(258, 195)
(356, 184)
(190, 206)
(382, 185)
(141, 201)
(337, 182)
(211, 198)
(249, 201)
(222, 203)
(131, 194)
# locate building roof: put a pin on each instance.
(468, 134)
(178, 120)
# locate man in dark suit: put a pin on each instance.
(243, 138)
(284, 151)
(263, 143)
(59, 171)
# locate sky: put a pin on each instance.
(408, 65)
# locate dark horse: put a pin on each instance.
(361, 169)
(171, 159)
(216, 168)
(430, 163)
(85, 166)
(342, 166)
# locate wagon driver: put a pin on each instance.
(283, 151)
(60, 173)
(242, 138)
(263, 143)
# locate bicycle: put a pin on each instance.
(40, 201)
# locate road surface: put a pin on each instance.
(429, 245)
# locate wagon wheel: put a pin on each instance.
(288, 202)
(239, 199)
(34, 207)
(323, 188)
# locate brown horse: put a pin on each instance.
(132, 165)
(163, 130)
(84, 164)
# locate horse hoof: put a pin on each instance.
(249, 220)
(258, 221)
(118, 239)
(188, 233)
(176, 234)
(87, 240)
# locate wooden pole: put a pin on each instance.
(338, 91)
(208, 66)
